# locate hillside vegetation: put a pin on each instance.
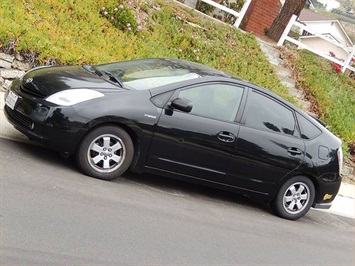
(333, 93)
(75, 32)
(83, 31)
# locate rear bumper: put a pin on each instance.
(322, 205)
(327, 188)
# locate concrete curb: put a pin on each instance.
(343, 204)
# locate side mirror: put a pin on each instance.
(181, 104)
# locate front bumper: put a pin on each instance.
(58, 128)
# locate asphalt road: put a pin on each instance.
(52, 214)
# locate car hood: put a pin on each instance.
(45, 81)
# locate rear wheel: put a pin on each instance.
(294, 198)
(105, 153)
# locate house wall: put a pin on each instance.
(260, 15)
(328, 27)
(325, 47)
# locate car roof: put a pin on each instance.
(202, 70)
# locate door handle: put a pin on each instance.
(294, 151)
(226, 136)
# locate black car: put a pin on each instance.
(183, 120)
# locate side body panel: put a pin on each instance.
(189, 145)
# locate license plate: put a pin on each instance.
(11, 100)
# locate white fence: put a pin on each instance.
(345, 64)
(239, 15)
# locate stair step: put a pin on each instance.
(282, 72)
(276, 61)
(272, 54)
(312, 114)
(288, 82)
(304, 105)
(269, 49)
(295, 93)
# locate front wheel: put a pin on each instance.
(105, 153)
(294, 198)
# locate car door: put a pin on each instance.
(268, 145)
(198, 143)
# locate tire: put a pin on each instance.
(105, 153)
(294, 199)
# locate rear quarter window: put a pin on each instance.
(308, 129)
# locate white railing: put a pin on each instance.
(240, 15)
(345, 64)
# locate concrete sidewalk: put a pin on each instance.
(343, 204)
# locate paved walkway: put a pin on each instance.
(343, 204)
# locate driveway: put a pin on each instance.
(52, 214)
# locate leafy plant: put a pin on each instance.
(221, 15)
(121, 16)
(204, 7)
(235, 5)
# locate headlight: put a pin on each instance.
(71, 97)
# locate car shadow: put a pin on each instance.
(174, 186)
(156, 182)
(41, 153)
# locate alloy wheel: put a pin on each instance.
(106, 153)
(296, 198)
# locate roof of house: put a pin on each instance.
(308, 15)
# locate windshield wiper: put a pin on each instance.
(113, 78)
(93, 70)
(108, 74)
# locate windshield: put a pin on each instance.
(149, 73)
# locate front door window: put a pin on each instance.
(217, 101)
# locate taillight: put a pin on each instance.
(340, 159)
